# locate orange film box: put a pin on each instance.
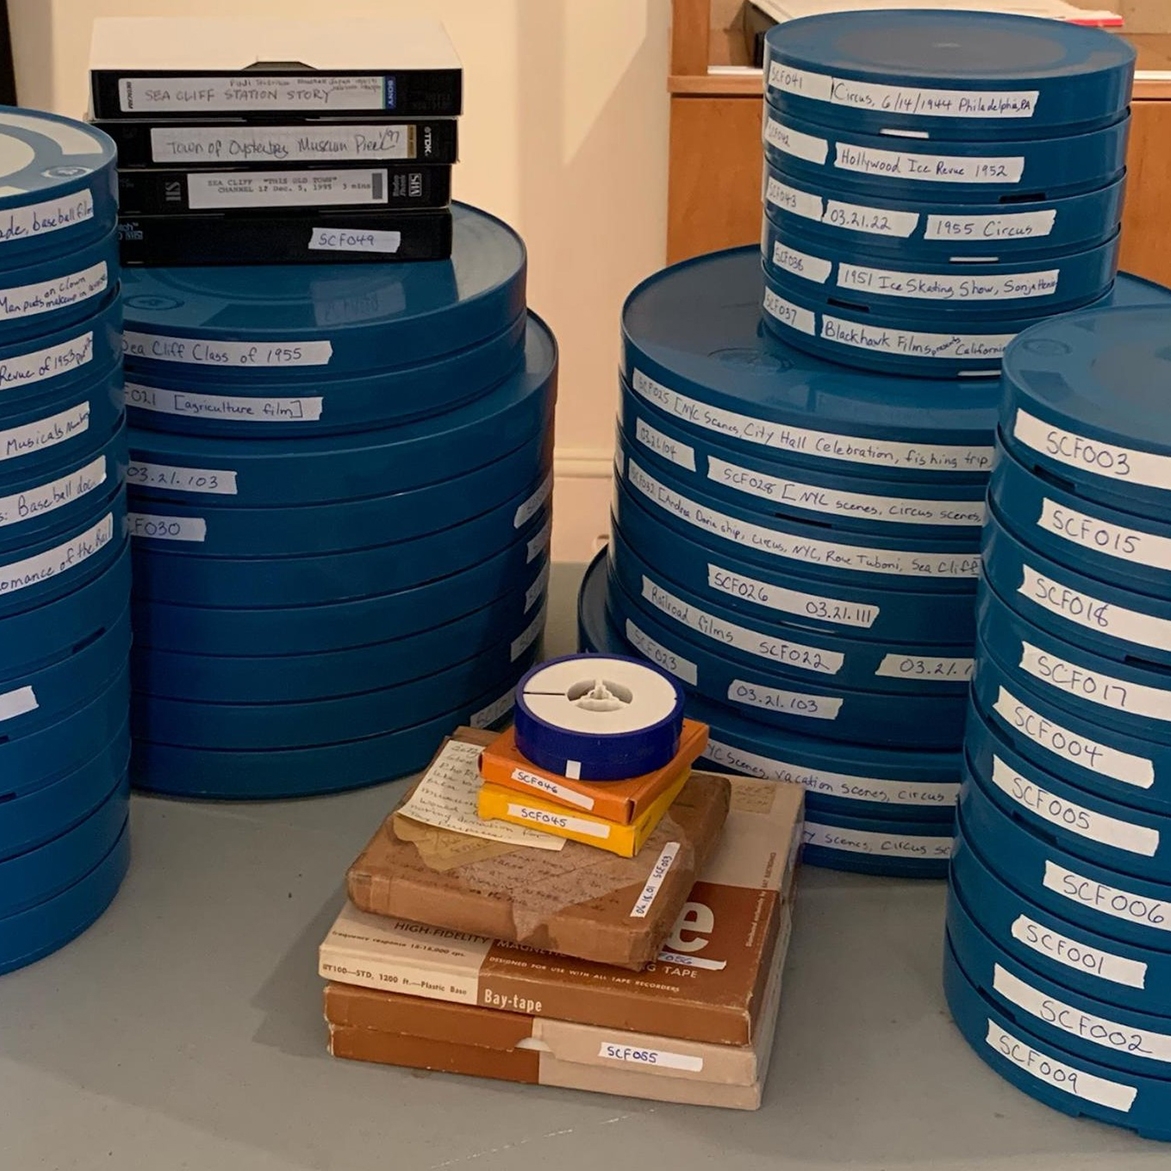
(622, 802)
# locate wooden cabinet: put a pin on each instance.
(716, 161)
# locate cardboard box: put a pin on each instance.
(577, 901)
(706, 985)
(502, 763)
(403, 1030)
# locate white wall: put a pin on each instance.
(564, 135)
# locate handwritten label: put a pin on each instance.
(927, 168)
(38, 219)
(277, 144)
(26, 369)
(802, 264)
(964, 347)
(526, 511)
(253, 92)
(801, 203)
(653, 1058)
(531, 633)
(901, 99)
(1152, 702)
(655, 880)
(1107, 900)
(18, 575)
(537, 589)
(166, 528)
(221, 406)
(1107, 460)
(877, 221)
(798, 548)
(1074, 746)
(941, 670)
(233, 189)
(664, 445)
(446, 798)
(1010, 226)
(937, 287)
(49, 296)
(1081, 957)
(792, 703)
(496, 710)
(17, 703)
(803, 441)
(1067, 1078)
(678, 666)
(859, 841)
(531, 780)
(194, 351)
(789, 314)
(332, 239)
(880, 791)
(539, 543)
(780, 651)
(44, 433)
(1079, 1023)
(763, 593)
(1070, 816)
(164, 477)
(795, 143)
(551, 820)
(1101, 536)
(47, 498)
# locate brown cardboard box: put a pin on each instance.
(706, 985)
(578, 902)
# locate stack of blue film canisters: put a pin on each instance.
(935, 182)
(340, 511)
(64, 561)
(1058, 967)
(798, 543)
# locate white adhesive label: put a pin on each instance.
(529, 635)
(1107, 460)
(789, 314)
(1081, 957)
(195, 351)
(795, 143)
(44, 433)
(496, 710)
(18, 703)
(902, 99)
(251, 92)
(802, 264)
(827, 553)
(1152, 702)
(664, 445)
(877, 221)
(940, 670)
(880, 791)
(651, 1058)
(207, 481)
(1070, 816)
(775, 650)
(1108, 900)
(1011, 226)
(49, 296)
(657, 653)
(897, 510)
(46, 498)
(927, 168)
(1093, 613)
(764, 593)
(1101, 536)
(166, 528)
(546, 819)
(539, 543)
(789, 199)
(222, 406)
(654, 882)
(333, 239)
(793, 703)
(526, 511)
(522, 776)
(279, 144)
(235, 189)
(25, 369)
(50, 216)
(865, 841)
(1074, 746)
(537, 589)
(938, 287)
(1065, 1077)
(1078, 1023)
(966, 347)
(16, 575)
(803, 441)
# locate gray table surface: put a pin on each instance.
(185, 1031)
